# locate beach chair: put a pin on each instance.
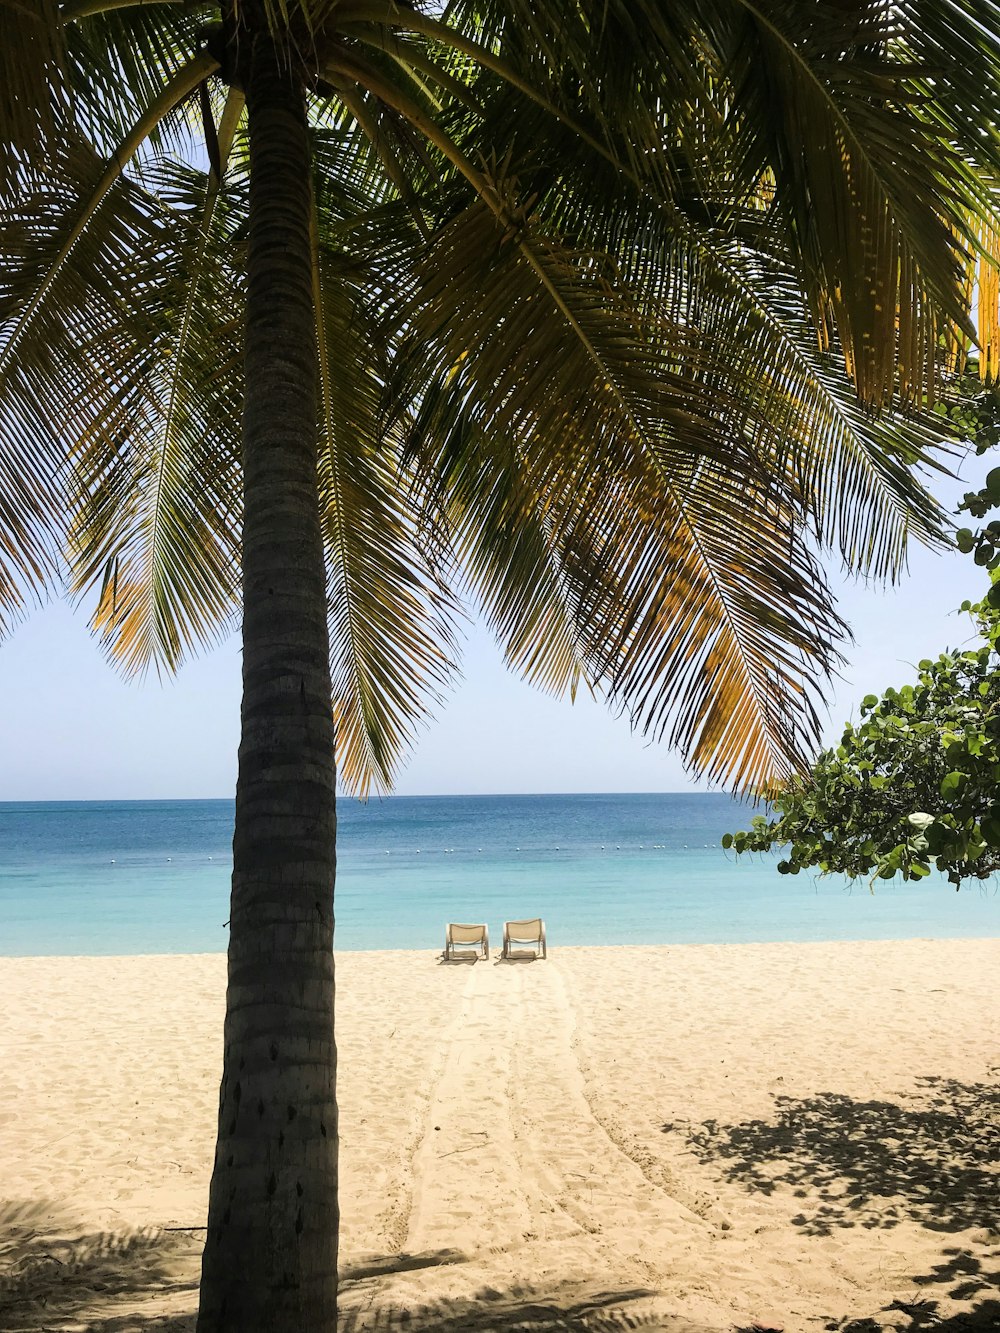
(457, 936)
(524, 934)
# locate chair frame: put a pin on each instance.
(481, 943)
(536, 939)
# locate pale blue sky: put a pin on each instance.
(71, 728)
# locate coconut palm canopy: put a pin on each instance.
(603, 316)
(582, 325)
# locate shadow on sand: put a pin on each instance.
(569, 1307)
(960, 1276)
(871, 1164)
(963, 1277)
(55, 1274)
(54, 1277)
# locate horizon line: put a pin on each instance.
(347, 797)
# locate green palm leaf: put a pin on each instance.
(158, 515)
(605, 310)
(32, 91)
(62, 377)
(388, 609)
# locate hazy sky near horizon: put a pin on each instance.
(72, 729)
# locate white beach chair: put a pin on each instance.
(524, 934)
(457, 936)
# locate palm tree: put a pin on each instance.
(557, 307)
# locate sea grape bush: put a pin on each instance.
(915, 783)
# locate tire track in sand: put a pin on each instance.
(466, 1193)
(512, 1153)
(567, 1155)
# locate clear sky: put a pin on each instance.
(71, 728)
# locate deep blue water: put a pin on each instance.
(153, 876)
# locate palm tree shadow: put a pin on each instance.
(54, 1271)
(872, 1164)
(569, 1307)
(53, 1274)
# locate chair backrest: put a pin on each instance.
(525, 930)
(459, 934)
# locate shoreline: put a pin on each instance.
(721, 1132)
(435, 951)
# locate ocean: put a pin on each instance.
(137, 877)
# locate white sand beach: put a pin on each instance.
(804, 1135)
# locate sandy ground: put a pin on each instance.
(697, 1137)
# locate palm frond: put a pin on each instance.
(726, 293)
(695, 606)
(120, 60)
(869, 193)
(32, 90)
(719, 632)
(157, 502)
(390, 613)
(835, 113)
(61, 374)
(556, 406)
(855, 474)
(611, 298)
(483, 508)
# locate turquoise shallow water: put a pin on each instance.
(133, 877)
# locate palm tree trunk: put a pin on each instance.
(270, 1262)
